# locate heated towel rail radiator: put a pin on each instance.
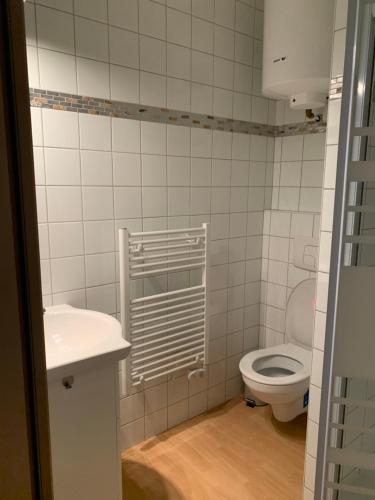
(168, 331)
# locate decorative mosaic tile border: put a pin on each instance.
(104, 107)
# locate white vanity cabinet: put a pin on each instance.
(83, 393)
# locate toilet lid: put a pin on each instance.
(300, 312)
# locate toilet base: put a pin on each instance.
(252, 400)
(287, 402)
(289, 411)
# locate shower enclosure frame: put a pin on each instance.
(353, 106)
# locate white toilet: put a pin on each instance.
(280, 375)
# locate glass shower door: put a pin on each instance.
(346, 456)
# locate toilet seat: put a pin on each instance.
(294, 358)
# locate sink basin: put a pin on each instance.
(79, 338)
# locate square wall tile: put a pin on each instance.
(36, 126)
(201, 98)
(153, 55)
(223, 103)
(41, 203)
(95, 132)
(99, 236)
(222, 145)
(126, 169)
(197, 404)
(178, 171)
(153, 89)
(91, 39)
(202, 68)
(30, 24)
(177, 389)
(93, 78)
(154, 201)
(124, 84)
(178, 413)
(102, 298)
(155, 398)
(310, 199)
(123, 47)
(60, 129)
(223, 73)
(178, 27)
(178, 201)
(292, 148)
(55, 30)
(338, 53)
(221, 173)
(66, 239)
(154, 138)
(154, 170)
(132, 433)
(123, 13)
(220, 200)
(200, 200)
(178, 94)
(224, 42)
(202, 35)
(203, 8)
(178, 140)
(225, 12)
(313, 146)
(201, 143)
(126, 135)
(100, 269)
(156, 423)
(92, 9)
(57, 71)
(200, 172)
(245, 18)
(62, 166)
(64, 204)
(67, 274)
(97, 203)
(33, 66)
(152, 19)
(132, 407)
(243, 49)
(128, 202)
(96, 168)
(178, 62)
(43, 238)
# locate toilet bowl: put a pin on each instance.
(280, 375)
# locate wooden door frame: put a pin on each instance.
(25, 470)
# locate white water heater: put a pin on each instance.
(297, 51)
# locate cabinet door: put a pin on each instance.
(83, 425)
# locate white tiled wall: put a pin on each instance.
(203, 56)
(95, 174)
(333, 121)
(295, 211)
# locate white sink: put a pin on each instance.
(79, 338)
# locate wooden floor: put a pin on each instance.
(231, 453)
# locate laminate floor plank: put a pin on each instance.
(230, 453)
